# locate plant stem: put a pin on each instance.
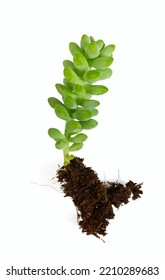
(66, 150)
(66, 156)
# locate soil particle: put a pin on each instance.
(94, 200)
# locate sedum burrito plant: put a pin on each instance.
(77, 107)
(76, 104)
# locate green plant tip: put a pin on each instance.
(92, 50)
(75, 106)
(85, 41)
(80, 62)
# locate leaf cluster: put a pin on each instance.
(77, 107)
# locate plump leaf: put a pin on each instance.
(92, 76)
(78, 89)
(69, 64)
(88, 104)
(54, 101)
(72, 77)
(79, 138)
(100, 44)
(55, 134)
(94, 112)
(71, 157)
(61, 144)
(105, 73)
(82, 114)
(89, 124)
(84, 96)
(92, 39)
(70, 102)
(75, 147)
(92, 50)
(62, 113)
(101, 62)
(68, 85)
(96, 89)
(64, 91)
(81, 92)
(73, 126)
(80, 62)
(85, 41)
(74, 48)
(107, 51)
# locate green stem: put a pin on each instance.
(66, 156)
(66, 150)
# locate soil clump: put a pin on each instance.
(94, 200)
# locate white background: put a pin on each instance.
(38, 225)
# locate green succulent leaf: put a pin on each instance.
(73, 127)
(89, 124)
(61, 144)
(96, 89)
(92, 39)
(64, 90)
(55, 134)
(79, 138)
(107, 51)
(70, 102)
(82, 114)
(71, 157)
(90, 63)
(81, 92)
(68, 64)
(68, 85)
(75, 147)
(94, 112)
(54, 101)
(84, 96)
(72, 77)
(92, 76)
(88, 104)
(74, 48)
(78, 89)
(101, 62)
(62, 113)
(92, 50)
(105, 73)
(80, 62)
(85, 41)
(100, 44)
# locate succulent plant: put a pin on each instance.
(90, 64)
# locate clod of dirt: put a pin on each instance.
(94, 200)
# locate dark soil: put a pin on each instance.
(94, 200)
